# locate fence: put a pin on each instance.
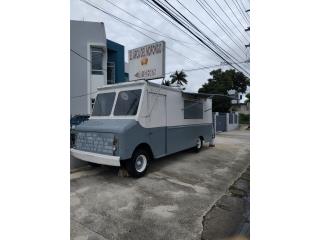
(225, 121)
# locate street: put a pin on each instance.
(170, 202)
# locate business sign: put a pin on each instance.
(147, 62)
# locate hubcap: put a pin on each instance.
(141, 163)
(198, 143)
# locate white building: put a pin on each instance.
(88, 64)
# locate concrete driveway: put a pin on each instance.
(168, 203)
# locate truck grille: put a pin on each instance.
(94, 142)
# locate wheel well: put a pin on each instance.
(146, 147)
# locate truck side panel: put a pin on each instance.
(184, 137)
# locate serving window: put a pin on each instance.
(193, 109)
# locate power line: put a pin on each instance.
(229, 18)
(167, 73)
(223, 51)
(167, 18)
(150, 5)
(128, 24)
(244, 8)
(153, 6)
(103, 69)
(188, 22)
(220, 25)
(235, 2)
(175, 18)
(241, 33)
(159, 33)
(234, 14)
(84, 58)
(209, 29)
(217, 65)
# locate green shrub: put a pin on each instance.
(244, 118)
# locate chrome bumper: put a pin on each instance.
(96, 158)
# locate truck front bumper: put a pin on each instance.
(96, 158)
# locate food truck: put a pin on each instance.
(135, 122)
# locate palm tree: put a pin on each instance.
(166, 83)
(179, 78)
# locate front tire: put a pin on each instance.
(138, 164)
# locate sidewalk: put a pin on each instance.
(229, 218)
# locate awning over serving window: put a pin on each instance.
(202, 95)
(196, 95)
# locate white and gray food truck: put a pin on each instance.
(134, 122)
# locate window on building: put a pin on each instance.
(111, 73)
(193, 109)
(127, 103)
(97, 60)
(103, 104)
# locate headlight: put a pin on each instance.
(114, 144)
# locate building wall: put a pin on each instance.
(116, 55)
(232, 121)
(241, 108)
(226, 121)
(82, 82)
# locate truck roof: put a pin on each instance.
(145, 82)
(137, 83)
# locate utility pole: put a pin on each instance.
(247, 30)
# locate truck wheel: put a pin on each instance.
(199, 144)
(138, 164)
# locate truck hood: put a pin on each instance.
(106, 125)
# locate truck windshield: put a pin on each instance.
(103, 104)
(127, 103)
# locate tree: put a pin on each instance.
(221, 82)
(248, 98)
(166, 83)
(179, 77)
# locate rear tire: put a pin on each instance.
(199, 144)
(138, 164)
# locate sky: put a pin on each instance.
(194, 55)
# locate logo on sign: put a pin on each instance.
(144, 61)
